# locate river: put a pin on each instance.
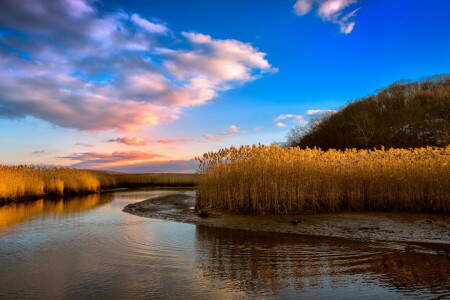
(85, 247)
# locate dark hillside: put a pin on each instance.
(402, 115)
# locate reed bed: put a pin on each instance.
(32, 181)
(269, 179)
(157, 179)
(29, 181)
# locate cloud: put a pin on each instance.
(212, 137)
(302, 7)
(315, 112)
(171, 166)
(84, 145)
(329, 10)
(66, 62)
(258, 128)
(101, 160)
(233, 129)
(129, 140)
(289, 117)
(39, 153)
(295, 118)
(149, 26)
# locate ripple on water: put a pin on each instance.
(91, 249)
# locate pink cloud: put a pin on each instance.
(233, 129)
(101, 160)
(212, 137)
(130, 140)
(302, 7)
(170, 166)
(93, 71)
(329, 10)
(281, 125)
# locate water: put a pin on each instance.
(87, 248)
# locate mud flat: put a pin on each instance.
(400, 227)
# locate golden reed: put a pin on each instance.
(32, 181)
(269, 179)
(23, 181)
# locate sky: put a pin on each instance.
(146, 86)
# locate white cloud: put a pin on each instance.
(149, 26)
(76, 67)
(313, 112)
(295, 118)
(233, 129)
(281, 125)
(329, 10)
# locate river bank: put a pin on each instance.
(399, 227)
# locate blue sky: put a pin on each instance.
(148, 85)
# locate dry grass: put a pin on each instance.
(23, 181)
(32, 181)
(261, 179)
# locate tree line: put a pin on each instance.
(403, 115)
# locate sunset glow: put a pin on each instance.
(145, 87)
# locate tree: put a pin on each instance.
(402, 115)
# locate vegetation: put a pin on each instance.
(270, 179)
(403, 115)
(32, 181)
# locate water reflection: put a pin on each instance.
(87, 248)
(22, 211)
(275, 264)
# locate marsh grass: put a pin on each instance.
(270, 179)
(32, 181)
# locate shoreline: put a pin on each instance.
(30, 198)
(401, 227)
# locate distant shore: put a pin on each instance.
(399, 227)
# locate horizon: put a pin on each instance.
(138, 87)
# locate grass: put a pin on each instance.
(269, 179)
(31, 181)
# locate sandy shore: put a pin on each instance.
(402, 227)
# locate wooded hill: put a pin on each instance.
(402, 115)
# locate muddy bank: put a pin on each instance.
(404, 227)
